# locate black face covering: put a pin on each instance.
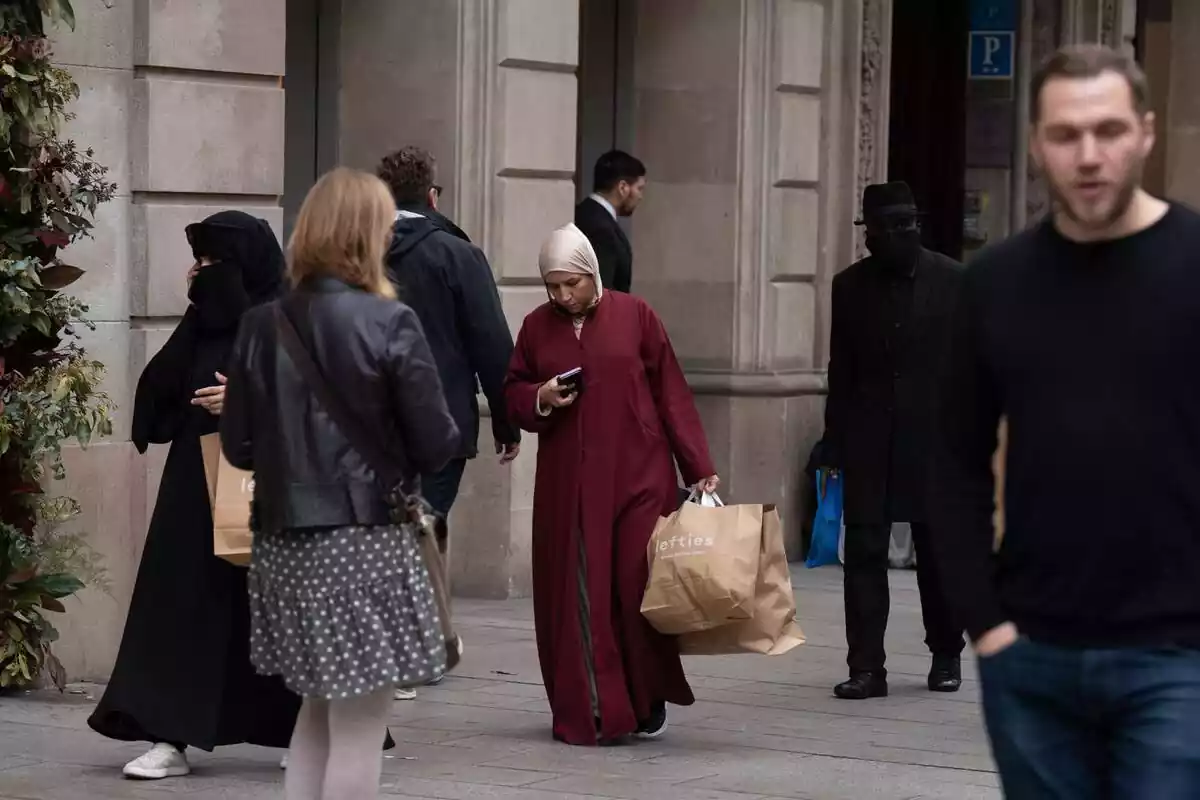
(896, 250)
(219, 297)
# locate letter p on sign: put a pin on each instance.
(990, 55)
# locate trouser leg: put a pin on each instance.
(941, 634)
(865, 584)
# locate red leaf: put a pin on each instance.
(53, 238)
(50, 604)
(60, 276)
(23, 575)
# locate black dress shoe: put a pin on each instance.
(862, 685)
(946, 674)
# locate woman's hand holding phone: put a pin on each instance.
(550, 395)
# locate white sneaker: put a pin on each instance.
(161, 761)
(406, 694)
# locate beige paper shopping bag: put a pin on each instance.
(771, 629)
(703, 567)
(230, 493)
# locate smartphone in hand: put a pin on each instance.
(570, 382)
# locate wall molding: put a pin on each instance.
(477, 65)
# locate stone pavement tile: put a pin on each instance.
(861, 750)
(630, 789)
(529, 691)
(634, 761)
(821, 778)
(60, 782)
(491, 746)
(79, 747)
(410, 734)
(12, 760)
(46, 709)
(450, 770)
(453, 790)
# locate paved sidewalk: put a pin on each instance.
(762, 728)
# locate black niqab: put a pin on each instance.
(247, 269)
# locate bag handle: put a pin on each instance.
(825, 505)
(387, 470)
(698, 497)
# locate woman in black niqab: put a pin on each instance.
(183, 675)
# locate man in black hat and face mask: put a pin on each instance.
(890, 325)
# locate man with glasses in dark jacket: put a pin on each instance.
(447, 280)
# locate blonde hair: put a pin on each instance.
(343, 231)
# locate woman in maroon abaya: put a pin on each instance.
(608, 442)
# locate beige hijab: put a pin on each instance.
(568, 250)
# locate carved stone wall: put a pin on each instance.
(873, 99)
(1047, 37)
(1110, 30)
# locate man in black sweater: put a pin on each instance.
(1084, 332)
(618, 182)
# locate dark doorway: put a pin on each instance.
(927, 134)
(605, 118)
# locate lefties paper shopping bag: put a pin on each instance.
(771, 629)
(230, 494)
(703, 566)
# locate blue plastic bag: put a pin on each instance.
(827, 526)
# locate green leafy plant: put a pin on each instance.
(50, 393)
(35, 576)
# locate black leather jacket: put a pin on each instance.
(371, 350)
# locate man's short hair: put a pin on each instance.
(1081, 61)
(410, 173)
(613, 167)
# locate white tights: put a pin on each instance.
(335, 753)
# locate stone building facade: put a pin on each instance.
(760, 121)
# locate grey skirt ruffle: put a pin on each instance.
(344, 612)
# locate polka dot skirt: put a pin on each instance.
(344, 612)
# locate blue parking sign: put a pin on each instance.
(991, 55)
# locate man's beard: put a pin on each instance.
(1121, 202)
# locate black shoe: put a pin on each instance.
(946, 674)
(655, 726)
(863, 685)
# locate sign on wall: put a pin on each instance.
(993, 39)
(991, 55)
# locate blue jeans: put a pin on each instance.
(1069, 724)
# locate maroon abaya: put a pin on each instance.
(605, 474)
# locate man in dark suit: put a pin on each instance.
(617, 185)
(890, 326)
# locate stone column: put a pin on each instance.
(742, 115)
(184, 102)
(489, 87)
(516, 157)
(1180, 132)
